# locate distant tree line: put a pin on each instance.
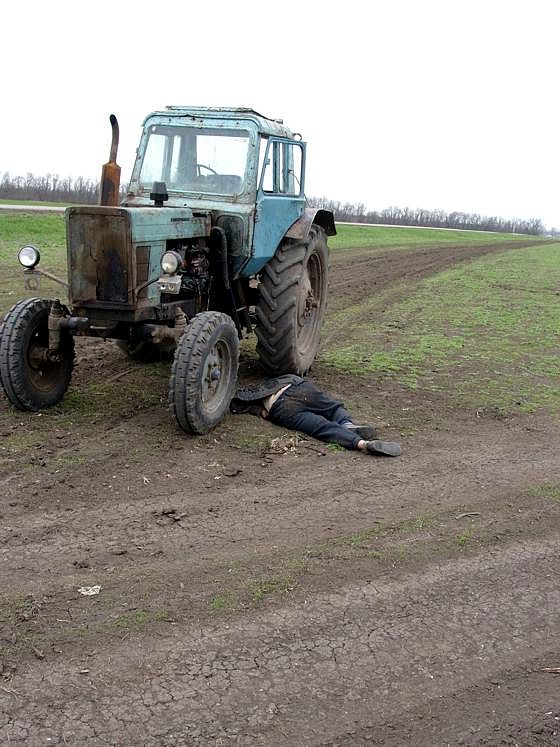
(395, 216)
(51, 188)
(54, 188)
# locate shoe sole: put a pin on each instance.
(387, 448)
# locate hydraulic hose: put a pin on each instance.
(218, 231)
(223, 250)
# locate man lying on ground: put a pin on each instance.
(296, 403)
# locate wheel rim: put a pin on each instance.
(216, 376)
(43, 375)
(310, 303)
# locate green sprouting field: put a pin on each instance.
(485, 333)
(35, 203)
(47, 232)
(395, 237)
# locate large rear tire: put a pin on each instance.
(30, 380)
(204, 372)
(292, 304)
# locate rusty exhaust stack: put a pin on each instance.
(111, 172)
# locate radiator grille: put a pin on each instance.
(99, 257)
(142, 268)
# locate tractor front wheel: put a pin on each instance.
(31, 378)
(204, 372)
(292, 304)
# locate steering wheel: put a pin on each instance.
(204, 166)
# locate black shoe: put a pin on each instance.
(387, 448)
(367, 432)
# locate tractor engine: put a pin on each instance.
(194, 269)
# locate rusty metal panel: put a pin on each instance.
(99, 256)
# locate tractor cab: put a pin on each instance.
(246, 169)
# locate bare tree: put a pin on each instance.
(393, 215)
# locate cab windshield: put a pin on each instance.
(195, 160)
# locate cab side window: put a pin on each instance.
(280, 167)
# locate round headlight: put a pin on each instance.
(29, 256)
(170, 262)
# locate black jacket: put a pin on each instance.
(246, 398)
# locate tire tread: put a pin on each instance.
(276, 328)
(184, 386)
(12, 333)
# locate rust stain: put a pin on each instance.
(99, 253)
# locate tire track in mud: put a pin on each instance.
(362, 655)
(294, 501)
(302, 502)
(516, 706)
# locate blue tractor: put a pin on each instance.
(213, 240)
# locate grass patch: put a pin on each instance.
(256, 444)
(131, 620)
(222, 602)
(263, 587)
(38, 203)
(17, 608)
(407, 526)
(47, 232)
(465, 537)
(400, 552)
(546, 491)
(111, 399)
(19, 440)
(68, 461)
(350, 237)
(486, 332)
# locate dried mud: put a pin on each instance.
(255, 590)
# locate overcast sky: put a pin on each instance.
(451, 105)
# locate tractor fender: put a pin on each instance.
(300, 229)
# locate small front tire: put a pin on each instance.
(204, 372)
(29, 378)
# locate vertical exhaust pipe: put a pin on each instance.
(111, 172)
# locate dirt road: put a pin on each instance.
(259, 590)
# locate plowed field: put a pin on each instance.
(258, 588)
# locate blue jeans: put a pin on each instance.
(303, 407)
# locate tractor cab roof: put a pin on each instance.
(265, 125)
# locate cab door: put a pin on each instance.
(280, 197)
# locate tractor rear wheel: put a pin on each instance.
(292, 304)
(30, 378)
(204, 372)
